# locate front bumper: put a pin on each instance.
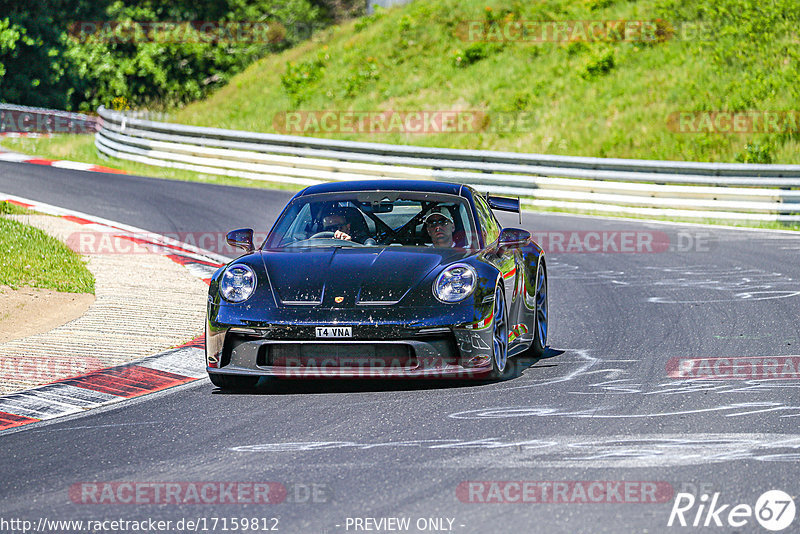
(377, 350)
(352, 359)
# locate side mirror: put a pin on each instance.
(513, 238)
(242, 238)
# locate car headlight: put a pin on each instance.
(455, 283)
(238, 283)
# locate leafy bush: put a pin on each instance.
(521, 100)
(600, 63)
(576, 48)
(595, 5)
(755, 153)
(472, 54)
(299, 77)
(46, 61)
(32, 43)
(10, 36)
(405, 32)
(337, 10)
(361, 76)
(369, 20)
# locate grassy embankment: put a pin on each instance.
(29, 257)
(610, 98)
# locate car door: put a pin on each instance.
(506, 262)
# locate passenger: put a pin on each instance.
(440, 226)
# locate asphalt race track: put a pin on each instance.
(606, 428)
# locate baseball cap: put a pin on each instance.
(441, 212)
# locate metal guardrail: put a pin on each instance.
(669, 188)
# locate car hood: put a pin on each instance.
(344, 277)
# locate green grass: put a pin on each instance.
(29, 257)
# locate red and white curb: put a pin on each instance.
(15, 157)
(107, 386)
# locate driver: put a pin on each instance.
(440, 226)
(337, 223)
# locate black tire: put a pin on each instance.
(542, 315)
(500, 364)
(234, 382)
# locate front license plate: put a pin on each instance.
(334, 331)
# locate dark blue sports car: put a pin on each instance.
(382, 278)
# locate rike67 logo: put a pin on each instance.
(774, 510)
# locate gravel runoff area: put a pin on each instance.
(145, 303)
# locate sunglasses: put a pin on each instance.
(436, 222)
(334, 227)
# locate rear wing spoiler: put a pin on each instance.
(505, 204)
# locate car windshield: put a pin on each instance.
(375, 219)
